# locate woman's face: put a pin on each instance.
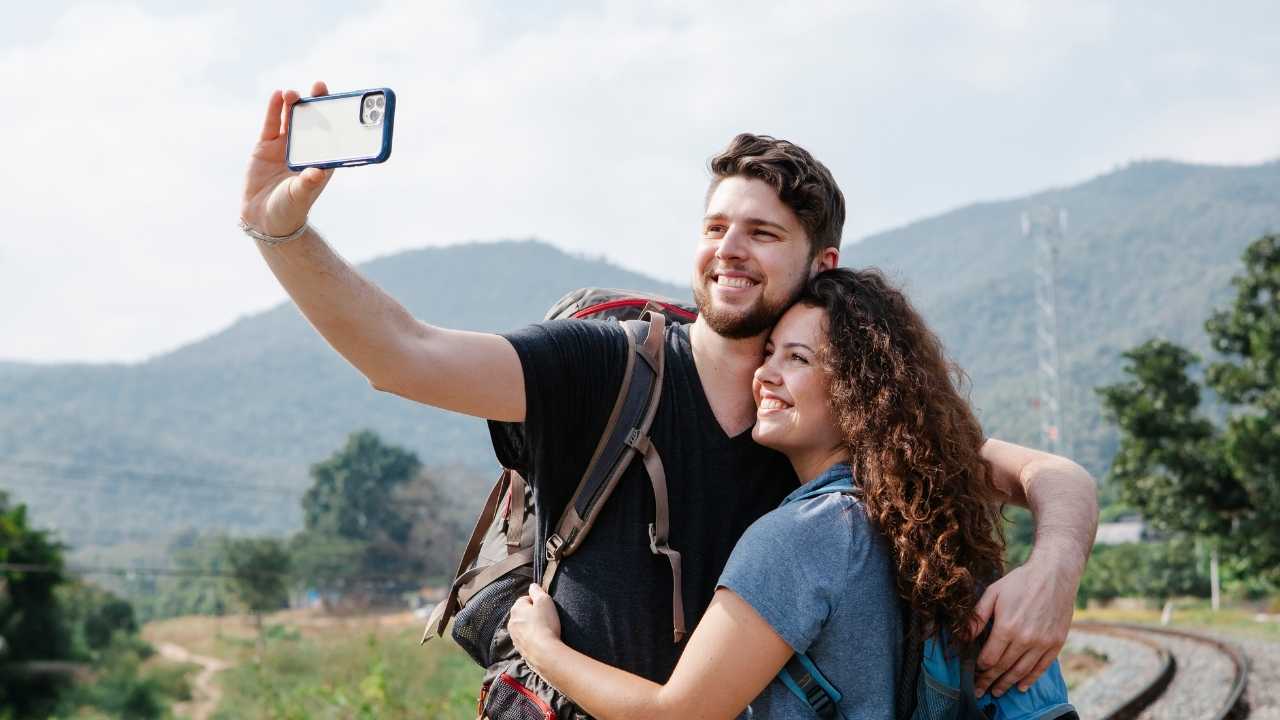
(793, 414)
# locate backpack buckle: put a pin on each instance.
(637, 441)
(554, 545)
(656, 544)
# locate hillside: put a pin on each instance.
(219, 433)
(1150, 249)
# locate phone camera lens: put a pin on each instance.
(380, 102)
(374, 115)
(368, 103)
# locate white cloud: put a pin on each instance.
(586, 125)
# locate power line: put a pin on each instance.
(196, 484)
(166, 572)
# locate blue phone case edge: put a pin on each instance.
(388, 131)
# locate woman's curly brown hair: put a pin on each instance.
(914, 443)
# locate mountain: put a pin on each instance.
(220, 433)
(1149, 251)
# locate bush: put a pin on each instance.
(1152, 570)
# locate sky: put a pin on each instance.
(127, 129)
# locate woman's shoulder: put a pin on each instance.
(831, 520)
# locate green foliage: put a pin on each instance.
(123, 688)
(1152, 570)
(198, 588)
(357, 531)
(32, 625)
(1170, 465)
(1248, 335)
(375, 676)
(94, 616)
(351, 491)
(259, 570)
(1177, 467)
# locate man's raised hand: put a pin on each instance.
(277, 200)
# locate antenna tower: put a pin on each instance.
(1046, 226)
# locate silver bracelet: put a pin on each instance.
(270, 240)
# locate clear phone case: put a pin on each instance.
(341, 130)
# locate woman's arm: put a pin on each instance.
(730, 659)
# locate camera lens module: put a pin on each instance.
(374, 115)
(381, 102)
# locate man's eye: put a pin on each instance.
(767, 235)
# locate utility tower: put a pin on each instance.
(1046, 226)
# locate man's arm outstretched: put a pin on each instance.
(474, 373)
(1033, 604)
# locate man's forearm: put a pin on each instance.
(363, 323)
(1063, 499)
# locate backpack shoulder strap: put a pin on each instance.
(626, 435)
(444, 611)
(803, 678)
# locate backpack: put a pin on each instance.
(498, 565)
(935, 682)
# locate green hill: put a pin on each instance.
(1150, 249)
(219, 433)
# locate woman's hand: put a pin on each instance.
(534, 625)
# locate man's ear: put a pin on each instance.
(826, 259)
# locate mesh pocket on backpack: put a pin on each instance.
(475, 624)
(509, 700)
(935, 700)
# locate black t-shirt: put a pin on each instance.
(614, 594)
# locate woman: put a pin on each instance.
(856, 391)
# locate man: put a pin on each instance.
(773, 218)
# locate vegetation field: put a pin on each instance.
(318, 666)
(1240, 621)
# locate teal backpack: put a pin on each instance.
(935, 684)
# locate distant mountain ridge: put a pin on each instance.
(219, 433)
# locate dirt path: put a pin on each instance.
(205, 693)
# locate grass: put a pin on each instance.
(1234, 620)
(321, 667)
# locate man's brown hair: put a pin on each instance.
(802, 183)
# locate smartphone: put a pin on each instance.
(342, 130)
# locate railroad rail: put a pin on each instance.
(1163, 692)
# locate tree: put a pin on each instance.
(32, 627)
(259, 576)
(1170, 465)
(1174, 465)
(356, 529)
(1248, 335)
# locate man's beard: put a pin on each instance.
(739, 325)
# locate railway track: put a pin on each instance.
(1160, 673)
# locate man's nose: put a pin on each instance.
(733, 245)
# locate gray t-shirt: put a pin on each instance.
(821, 576)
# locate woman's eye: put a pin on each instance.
(799, 358)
